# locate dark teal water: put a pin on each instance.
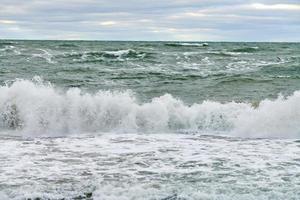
(190, 71)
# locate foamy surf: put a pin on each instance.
(36, 109)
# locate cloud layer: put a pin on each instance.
(201, 20)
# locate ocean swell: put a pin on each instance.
(39, 109)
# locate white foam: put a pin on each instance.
(12, 48)
(192, 44)
(38, 109)
(46, 55)
(120, 52)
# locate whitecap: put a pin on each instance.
(40, 109)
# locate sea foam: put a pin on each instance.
(37, 109)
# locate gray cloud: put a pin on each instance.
(234, 20)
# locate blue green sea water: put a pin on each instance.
(149, 120)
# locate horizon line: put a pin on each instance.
(188, 41)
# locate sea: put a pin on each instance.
(116, 120)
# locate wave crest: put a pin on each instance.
(99, 56)
(39, 109)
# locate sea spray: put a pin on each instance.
(40, 109)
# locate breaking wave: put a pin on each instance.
(39, 109)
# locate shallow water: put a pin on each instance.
(149, 120)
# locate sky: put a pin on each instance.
(154, 20)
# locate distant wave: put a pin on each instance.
(5, 43)
(39, 109)
(96, 56)
(246, 49)
(220, 53)
(45, 54)
(187, 44)
(67, 45)
(10, 48)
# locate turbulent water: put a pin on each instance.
(149, 120)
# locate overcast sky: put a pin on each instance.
(187, 20)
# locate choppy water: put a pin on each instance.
(149, 120)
